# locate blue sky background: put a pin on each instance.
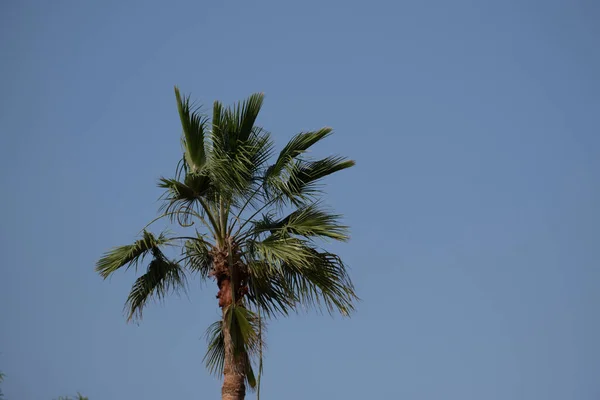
(474, 202)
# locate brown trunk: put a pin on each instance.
(234, 387)
(231, 280)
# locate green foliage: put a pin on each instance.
(244, 327)
(215, 354)
(236, 198)
(161, 278)
(308, 221)
(198, 258)
(295, 147)
(194, 126)
(130, 255)
(298, 275)
(78, 397)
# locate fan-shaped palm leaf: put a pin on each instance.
(308, 221)
(131, 254)
(194, 127)
(161, 278)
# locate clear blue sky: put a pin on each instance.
(474, 202)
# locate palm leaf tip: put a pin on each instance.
(215, 354)
(129, 255)
(246, 113)
(294, 148)
(301, 181)
(162, 277)
(302, 142)
(308, 221)
(198, 257)
(194, 126)
(302, 274)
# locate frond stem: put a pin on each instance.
(239, 214)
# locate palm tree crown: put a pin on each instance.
(257, 226)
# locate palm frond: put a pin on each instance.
(250, 378)
(308, 221)
(179, 200)
(130, 255)
(234, 125)
(250, 155)
(243, 326)
(237, 168)
(78, 397)
(195, 186)
(197, 257)
(299, 183)
(188, 200)
(295, 147)
(268, 291)
(194, 127)
(323, 283)
(244, 115)
(276, 249)
(162, 277)
(218, 133)
(300, 274)
(176, 193)
(215, 354)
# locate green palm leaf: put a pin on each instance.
(197, 256)
(161, 278)
(301, 274)
(215, 354)
(234, 126)
(323, 283)
(295, 147)
(300, 182)
(245, 330)
(194, 127)
(130, 255)
(235, 168)
(244, 115)
(308, 221)
(268, 290)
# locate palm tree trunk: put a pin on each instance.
(234, 387)
(225, 269)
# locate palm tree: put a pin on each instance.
(256, 225)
